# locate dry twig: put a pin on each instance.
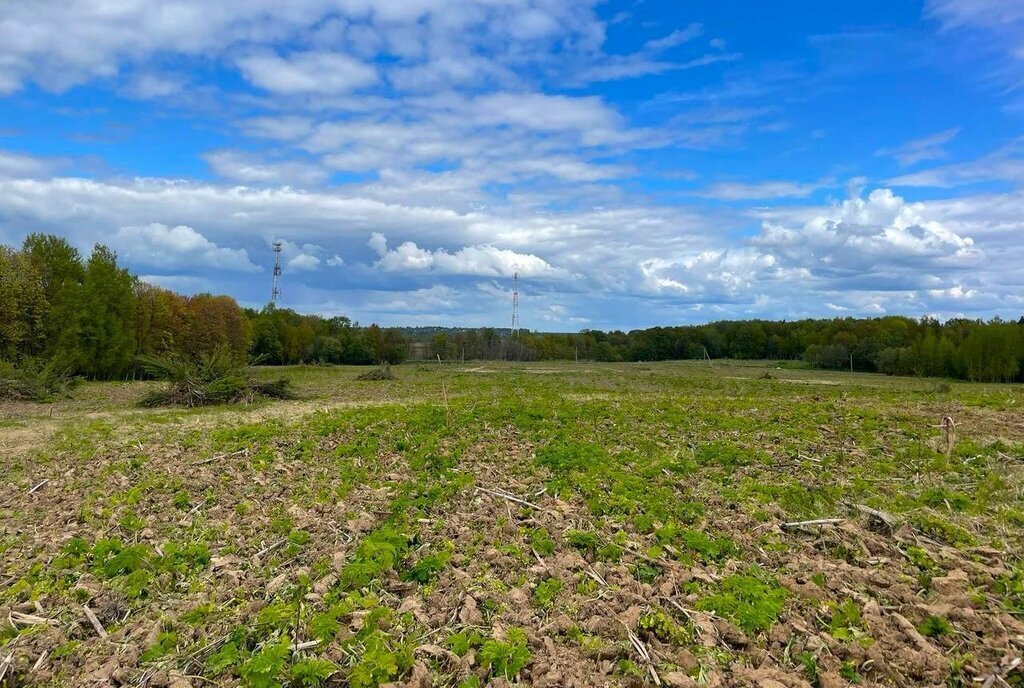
(89, 614)
(511, 498)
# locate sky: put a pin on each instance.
(638, 163)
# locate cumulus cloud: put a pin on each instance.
(158, 245)
(865, 236)
(471, 260)
(304, 262)
(866, 253)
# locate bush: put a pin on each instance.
(35, 381)
(208, 379)
(381, 372)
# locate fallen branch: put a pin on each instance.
(102, 632)
(641, 650)
(1004, 670)
(596, 576)
(269, 548)
(5, 665)
(511, 498)
(820, 522)
(19, 619)
(39, 662)
(878, 519)
(218, 457)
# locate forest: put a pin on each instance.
(94, 318)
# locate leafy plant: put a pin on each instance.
(506, 658)
(753, 600)
(379, 552)
(660, 625)
(542, 542)
(934, 626)
(263, 668)
(546, 591)
(582, 540)
(312, 672)
(846, 623)
(426, 568)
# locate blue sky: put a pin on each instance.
(638, 163)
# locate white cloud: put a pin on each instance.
(335, 261)
(1004, 164)
(922, 149)
(487, 261)
(676, 38)
(878, 243)
(379, 243)
(252, 169)
(62, 43)
(632, 261)
(17, 165)
(161, 246)
(309, 72)
(737, 191)
(304, 262)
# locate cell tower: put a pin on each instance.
(276, 291)
(515, 304)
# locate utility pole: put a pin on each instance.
(275, 292)
(515, 305)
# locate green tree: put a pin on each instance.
(99, 335)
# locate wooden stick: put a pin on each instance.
(17, 618)
(888, 520)
(102, 632)
(38, 485)
(644, 654)
(511, 498)
(5, 665)
(815, 522)
(269, 548)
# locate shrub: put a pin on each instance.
(381, 372)
(206, 380)
(35, 381)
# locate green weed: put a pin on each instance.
(752, 600)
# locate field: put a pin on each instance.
(543, 524)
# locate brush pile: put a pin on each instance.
(31, 380)
(208, 380)
(381, 372)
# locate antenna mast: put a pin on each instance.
(515, 304)
(276, 291)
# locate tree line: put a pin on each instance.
(96, 319)
(990, 351)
